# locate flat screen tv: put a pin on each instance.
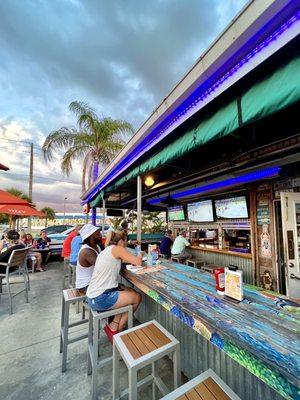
(201, 211)
(114, 212)
(233, 207)
(176, 213)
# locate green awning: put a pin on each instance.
(274, 93)
(223, 122)
(269, 95)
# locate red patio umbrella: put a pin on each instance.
(4, 167)
(20, 210)
(7, 198)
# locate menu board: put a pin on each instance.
(201, 211)
(234, 207)
(234, 284)
(176, 213)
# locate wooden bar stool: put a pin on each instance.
(180, 260)
(209, 268)
(207, 386)
(141, 346)
(70, 296)
(94, 362)
(196, 263)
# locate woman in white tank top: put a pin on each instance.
(103, 292)
(92, 240)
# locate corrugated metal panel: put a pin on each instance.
(198, 354)
(245, 264)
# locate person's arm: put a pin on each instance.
(187, 243)
(87, 258)
(1, 245)
(107, 239)
(125, 256)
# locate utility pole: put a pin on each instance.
(30, 181)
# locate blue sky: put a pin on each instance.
(120, 56)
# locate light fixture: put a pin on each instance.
(238, 180)
(149, 181)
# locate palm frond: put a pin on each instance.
(81, 108)
(85, 169)
(57, 140)
(70, 155)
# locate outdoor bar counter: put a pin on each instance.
(224, 257)
(254, 345)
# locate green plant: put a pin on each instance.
(49, 214)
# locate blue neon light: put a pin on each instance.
(199, 95)
(251, 177)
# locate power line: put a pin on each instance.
(41, 177)
(21, 141)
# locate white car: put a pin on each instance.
(57, 239)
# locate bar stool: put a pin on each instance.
(196, 263)
(70, 296)
(65, 273)
(94, 362)
(180, 260)
(141, 346)
(163, 257)
(206, 386)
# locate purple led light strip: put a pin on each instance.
(147, 143)
(246, 178)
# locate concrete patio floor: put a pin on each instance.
(30, 363)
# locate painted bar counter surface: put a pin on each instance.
(261, 333)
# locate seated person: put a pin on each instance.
(91, 246)
(34, 256)
(104, 292)
(43, 243)
(122, 228)
(13, 243)
(4, 242)
(66, 250)
(166, 244)
(179, 246)
(75, 248)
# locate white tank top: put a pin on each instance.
(106, 273)
(84, 274)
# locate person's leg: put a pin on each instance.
(48, 256)
(126, 297)
(38, 258)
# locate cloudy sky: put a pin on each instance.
(122, 57)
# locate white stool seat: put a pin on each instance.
(141, 346)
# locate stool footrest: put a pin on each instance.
(80, 337)
(82, 321)
(140, 384)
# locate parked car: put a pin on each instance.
(57, 239)
(57, 228)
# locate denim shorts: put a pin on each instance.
(104, 301)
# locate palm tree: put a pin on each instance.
(49, 214)
(95, 140)
(20, 194)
